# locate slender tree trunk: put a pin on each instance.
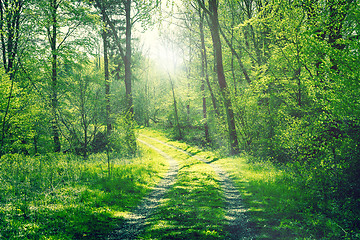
(234, 145)
(202, 37)
(2, 34)
(188, 78)
(128, 75)
(83, 87)
(234, 53)
(177, 122)
(338, 11)
(54, 80)
(107, 83)
(204, 74)
(4, 120)
(127, 63)
(147, 97)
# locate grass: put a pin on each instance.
(273, 204)
(61, 196)
(280, 203)
(193, 208)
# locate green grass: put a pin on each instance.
(281, 204)
(193, 208)
(65, 197)
(61, 196)
(273, 205)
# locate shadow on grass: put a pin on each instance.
(77, 223)
(214, 160)
(275, 209)
(59, 222)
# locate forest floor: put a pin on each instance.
(170, 190)
(196, 199)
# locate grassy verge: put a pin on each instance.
(65, 197)
(275, 206)
(284, 205)
(193, 208)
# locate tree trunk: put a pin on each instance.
(10, 13)
(127, 63)
(128, 75)
(338, 11)
(54, 81)
(204, 74)
(83, 87)
(234, 145)
(107, 82)
(175, 109)
(234, 53)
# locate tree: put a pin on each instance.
(128, 52)
(61, 21)
(82, 116)
(52, 35)
(204, 73)
(212, 12)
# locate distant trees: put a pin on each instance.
(49, 59)
(126, 13)
(282, 62)
(60, 21)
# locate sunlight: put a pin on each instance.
(168, 58)
(160, 41)
(162, 51)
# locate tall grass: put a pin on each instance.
(62, 196)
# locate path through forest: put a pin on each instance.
(136, 221)
(235, 221)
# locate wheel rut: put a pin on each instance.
(135, 222)
(237, 223)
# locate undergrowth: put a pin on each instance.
(62, 196)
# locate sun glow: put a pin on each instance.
(162, 51)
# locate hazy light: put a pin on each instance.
(161, 50)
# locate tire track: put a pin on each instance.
(236, 220)
(135, 222)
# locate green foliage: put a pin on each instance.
(123, 137)
(82, 113)
(300, 109)
(19, 117)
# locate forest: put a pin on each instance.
(268, 88)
